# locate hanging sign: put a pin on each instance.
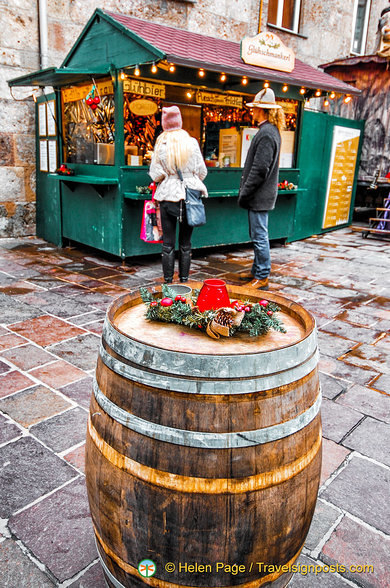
(342, 168)
(218, 99)
(80, 92)
(143, 107)
(144, 88)
(267, 50)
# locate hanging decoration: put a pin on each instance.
(93, 98)
(242, 316)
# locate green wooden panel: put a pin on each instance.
(102, 43)
(48, 197)
(314, 152)
(92, 219)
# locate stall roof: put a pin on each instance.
(113, 41)
(355, 60)
(195, 50)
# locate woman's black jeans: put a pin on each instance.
(170, 213)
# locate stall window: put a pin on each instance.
(89, 131)
(141, 127)
(287, 149)
(285, 14)
(360, 24)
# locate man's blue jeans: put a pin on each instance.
(258, 232)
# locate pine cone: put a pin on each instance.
(224, 318)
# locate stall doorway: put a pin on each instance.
(192, 118)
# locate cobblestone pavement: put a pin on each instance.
(53, 303)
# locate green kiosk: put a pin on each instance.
(103, 118)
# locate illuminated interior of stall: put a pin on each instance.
(88, 123)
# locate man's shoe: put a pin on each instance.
(259, 284)
(245, 276)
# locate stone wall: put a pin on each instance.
(325, 30)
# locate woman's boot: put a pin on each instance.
(184, 263)
(168, 263)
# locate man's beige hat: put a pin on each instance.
(264, 99)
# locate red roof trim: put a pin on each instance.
(196, 50)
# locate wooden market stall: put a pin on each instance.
(103, 118)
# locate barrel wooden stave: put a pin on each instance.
(187, 527)
(170, 502)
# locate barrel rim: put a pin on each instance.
(306, 319)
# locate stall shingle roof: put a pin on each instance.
(195, 50)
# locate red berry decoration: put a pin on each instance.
(247, 309)
(263, 303)
(269, 312)
(89, 101)
(183, 299)
(166, 302)
(96, 100)
(93, 106)
(178, 298)
(154, 303)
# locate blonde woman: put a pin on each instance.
(176, 150)
(259, 181)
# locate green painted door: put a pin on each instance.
(314, 162)
(48, 200)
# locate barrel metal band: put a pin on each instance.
(203, 439)
(157, 583)
(196, 485)
(167, 381)
(207, 365)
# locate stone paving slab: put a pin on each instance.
(18, 571)
(354, 544)
(333, 456)
(57, 374)
(362, 489)
(338, 420)
(8, 431)
(367, 401)
(81, 351)
(55, 528)
(310, 575)
(46, 330)
(62, 431)
(28, 471)
(371, 438)
(33, 405)
(79, 391)
(93, 578)
(27, 356)
(13, 381)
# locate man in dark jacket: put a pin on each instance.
(259, 181)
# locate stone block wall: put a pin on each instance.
(326, 29)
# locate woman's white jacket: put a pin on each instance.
(169, 185)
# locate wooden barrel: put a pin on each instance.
(203, 456)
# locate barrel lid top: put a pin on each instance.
(127, 316)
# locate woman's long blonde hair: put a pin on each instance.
(276, 117)
(178, 146)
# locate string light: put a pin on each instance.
(326, 102)
(285, 88)
(172, 68)
(122, 75)
(223, 77)
(332, 96)
(302, 91)
(201, 73)
(153, 69)
(189, 94)
(318, 93)
(266, 85)
(244, 81)
(347, 99)
(137, 71)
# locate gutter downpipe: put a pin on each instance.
(43, 34)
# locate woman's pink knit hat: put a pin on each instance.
(171, 118)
